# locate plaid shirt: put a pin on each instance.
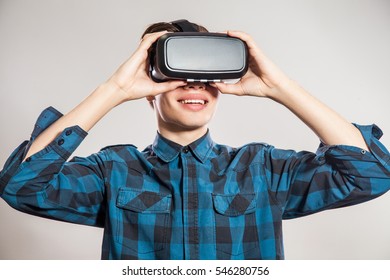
(201, 201)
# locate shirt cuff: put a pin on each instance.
(356, 161)
(61, 147)
(371, 135)
(45, 119)
(68, 141)
(64, 144)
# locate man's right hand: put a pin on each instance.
(132, 77)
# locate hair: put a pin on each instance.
(167, 26)
(162, 26)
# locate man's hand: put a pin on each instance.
(132, 77)
(131, 81)
(263, 79)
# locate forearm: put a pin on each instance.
(328, 125)
(265, 79)
(85, 115)
(131, 81)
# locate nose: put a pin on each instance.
(195, 85)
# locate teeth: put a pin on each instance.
(193, 101)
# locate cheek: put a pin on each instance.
(161, 103)
(164, 109)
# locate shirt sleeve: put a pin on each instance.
(335, 176)
(46, 185)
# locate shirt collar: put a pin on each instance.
(168, 150)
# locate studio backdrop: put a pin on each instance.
(56, 52)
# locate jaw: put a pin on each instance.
(184, 119)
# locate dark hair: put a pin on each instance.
(161, 26)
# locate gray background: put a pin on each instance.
(56, 52)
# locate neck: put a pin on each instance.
(183, 136)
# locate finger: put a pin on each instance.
(150, 38)
(247, 39)
(241, 35)
(141, 54)
(167, 86)
(235, 89)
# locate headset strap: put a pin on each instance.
(184, 25)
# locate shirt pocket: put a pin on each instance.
(235, 226)
(143, 222)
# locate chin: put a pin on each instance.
(177, 120)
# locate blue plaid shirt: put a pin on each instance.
(201, 201)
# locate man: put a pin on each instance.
(184, 196)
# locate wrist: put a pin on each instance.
(113, 92)
(284, 91)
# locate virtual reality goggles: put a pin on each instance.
(198, 56)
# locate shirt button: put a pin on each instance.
(321, 160)
(60, 142)
(28, 159)
(363, 152)
(185, 149)
(68, 132)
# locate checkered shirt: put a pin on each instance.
(201, 201)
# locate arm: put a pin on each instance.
(129, 82)
(335, 176)
(37, 178)
(340, 173)
(264, 79)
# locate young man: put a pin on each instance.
(184, 196)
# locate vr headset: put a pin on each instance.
(198, 56)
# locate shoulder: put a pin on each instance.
(248, 153)
(120, 152)
(119, 147)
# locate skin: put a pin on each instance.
(185, 123)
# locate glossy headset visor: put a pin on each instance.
(198, 56)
